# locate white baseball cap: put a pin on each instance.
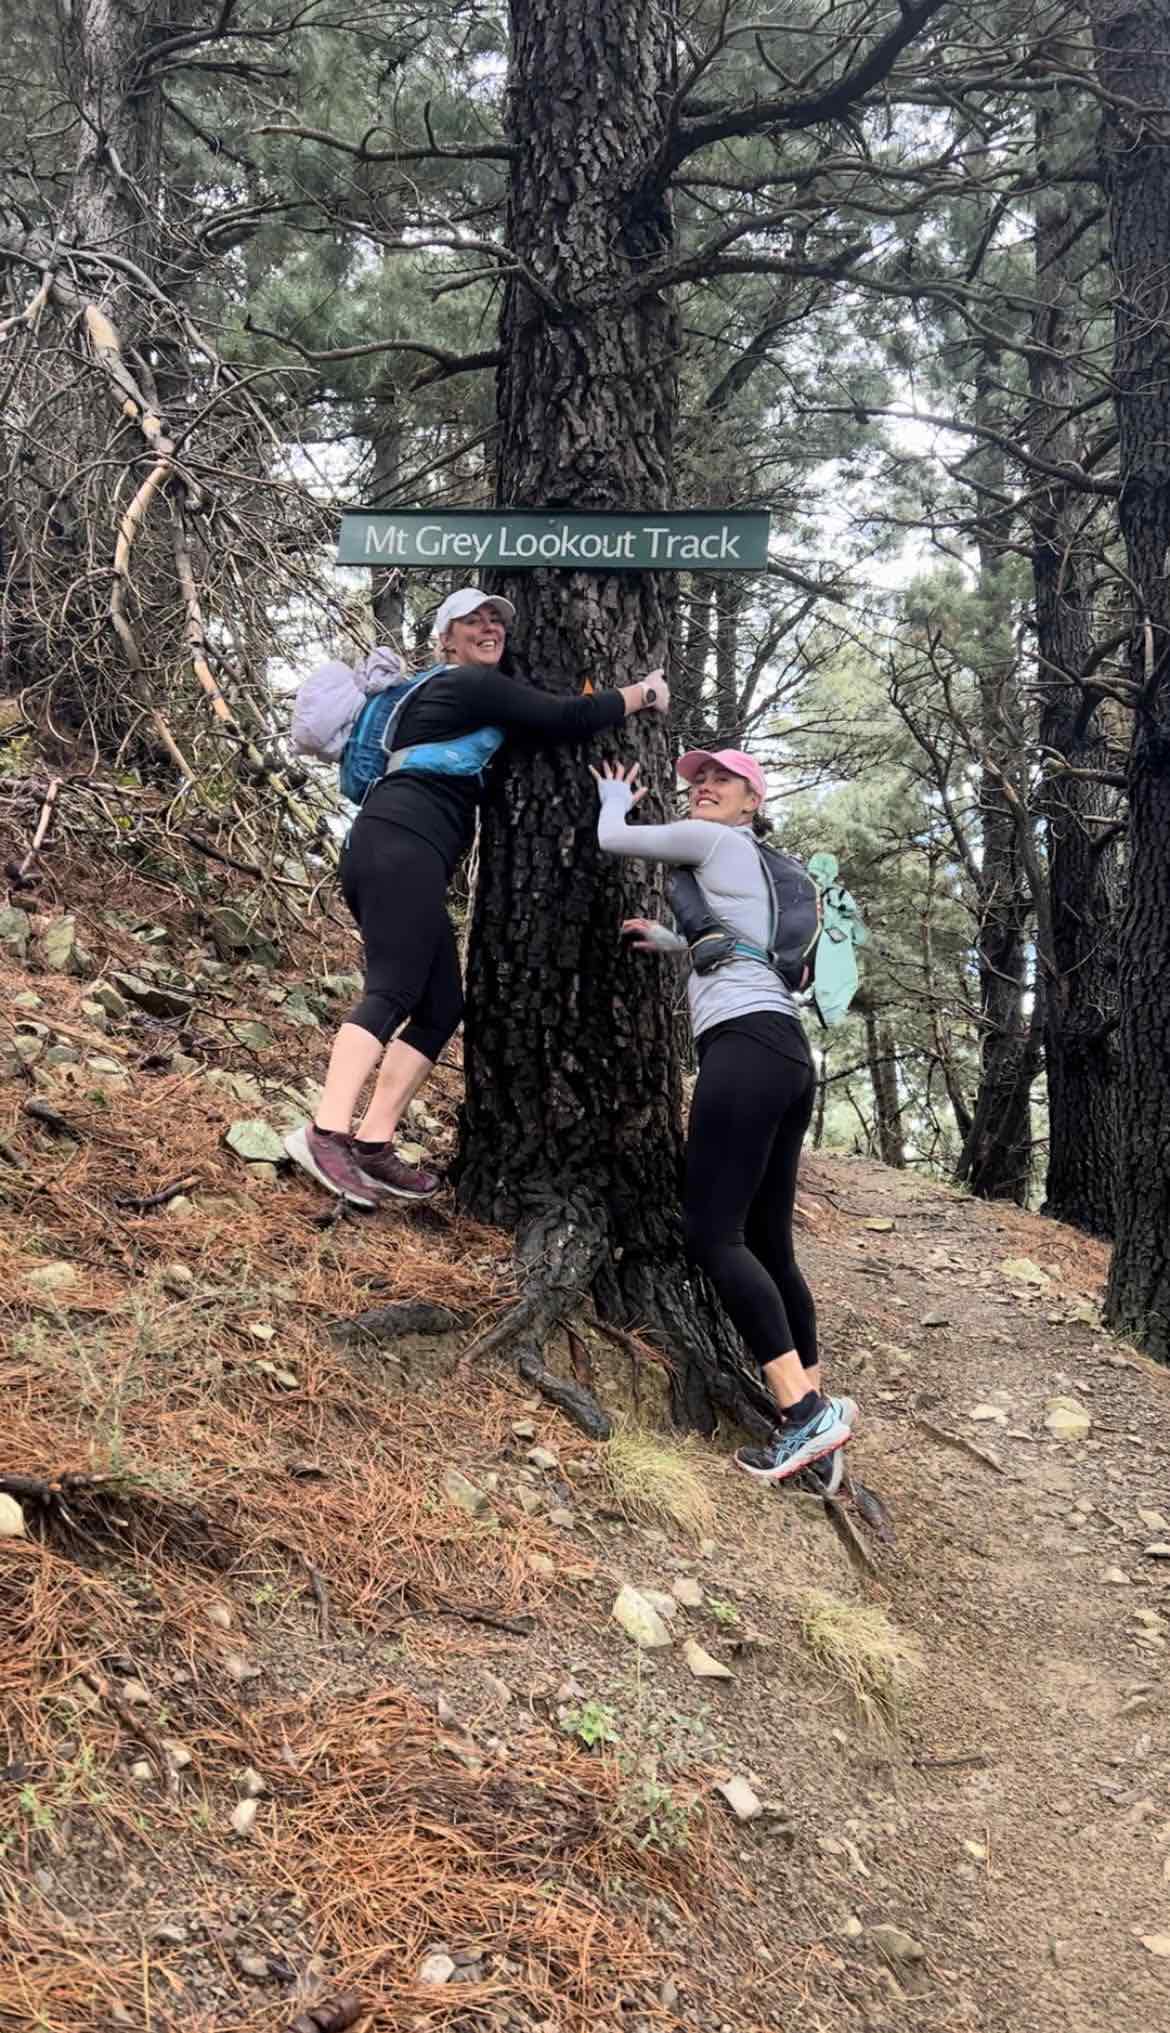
(468, 598)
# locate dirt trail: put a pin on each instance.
(458, 1752)
(1037, 1604)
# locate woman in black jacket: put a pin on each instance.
(410, 834)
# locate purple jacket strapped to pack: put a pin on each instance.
(330, 700)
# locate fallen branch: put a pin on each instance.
(31, 1489)
(29, 317)
(133, 518)
(141, 1203)
(516, 1627)
(51, 1119)
(962, 1446)
(19, 873)
(321, 1598)
(94, 1039)
(199, 652)
(406, 1316)
(136, 1726)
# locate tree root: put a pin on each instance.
(849, 1536)
(573, 1399)
(560, 1253)
(95, 1511)
(868, 1505)
(566, 1256)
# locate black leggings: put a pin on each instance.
(751, 1107)
(395, 883)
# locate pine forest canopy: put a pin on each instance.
(889, 275)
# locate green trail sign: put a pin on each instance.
(520, 539)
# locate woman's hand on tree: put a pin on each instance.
(614, 773)
(642, 932)
(651, 694)
(651, 937)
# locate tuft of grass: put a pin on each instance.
(656, 1480)
(858, 1643)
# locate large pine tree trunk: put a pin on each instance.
(113, 199)
(996, 1159)
(571, 1126)
(1084, 859)
(1133, 65)
(68, 504)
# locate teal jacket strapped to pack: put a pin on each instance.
(834, 982)
(369, 755)
(814, 933)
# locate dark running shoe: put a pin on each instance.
(386, 1172)
(331, 1162)
(793, 1448)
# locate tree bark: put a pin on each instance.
(1133, 66)
(388, 588)
(996, 1160)
(881, 1054)
(690, 714)
(69, 502)
(1084, 857)
(729, 600)
(114, 195)
(571, 1127)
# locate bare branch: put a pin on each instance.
(822, 108)
(1072, 476)
(471, 151)
(445, 365)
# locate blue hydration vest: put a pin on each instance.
(368, 755)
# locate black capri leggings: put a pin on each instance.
(395, 883)
(752, 1105)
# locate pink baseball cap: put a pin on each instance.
(732, 759)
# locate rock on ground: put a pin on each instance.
(639, 1619)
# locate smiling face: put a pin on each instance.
(717, 794)
(476, 638)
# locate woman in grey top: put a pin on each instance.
(752, 1103)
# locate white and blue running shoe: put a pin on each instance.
(793, 1448)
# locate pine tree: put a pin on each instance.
(1133, 66)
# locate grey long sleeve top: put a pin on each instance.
(729, 874)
